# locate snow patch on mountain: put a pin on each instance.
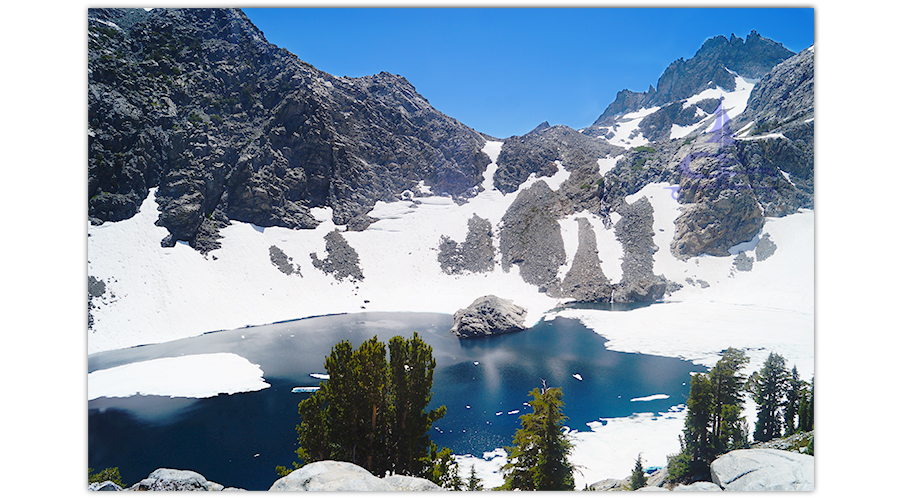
(625, 129)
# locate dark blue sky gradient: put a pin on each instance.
(504, 71)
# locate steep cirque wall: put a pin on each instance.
(229, 127)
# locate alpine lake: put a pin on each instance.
(238, 440)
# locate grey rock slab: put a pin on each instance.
(698, 486)
(488, 315)
(104, 486)
(330, 475)
(173, 480)
(764, 470)
(407, 483)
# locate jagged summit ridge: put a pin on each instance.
(715, 64)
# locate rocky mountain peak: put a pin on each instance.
(713, 65)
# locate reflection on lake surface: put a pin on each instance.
(237, 440)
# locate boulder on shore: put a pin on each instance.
(175, 480)
(331, 475)
(764, 470)
(488, 315)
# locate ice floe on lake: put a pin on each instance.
(191, 376)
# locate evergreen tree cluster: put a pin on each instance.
(784, 402)
(714, 426)
(372, 411)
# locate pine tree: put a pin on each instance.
(769, 388)
(792, 405)
(443, 469)
(638, 480)
(805, 411)
(412, 373)
(473, 483)
(713, 424)
(728, 402)
(539, 459)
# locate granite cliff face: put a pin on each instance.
(231, 127)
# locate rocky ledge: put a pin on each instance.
(757, 469)
(326, 475)
(488, 315)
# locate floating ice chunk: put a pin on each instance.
(476, 363)
(513, 412)
(650, 398)
(297, 390)
(499, 413)
(577, 375)
(320, 376)
(192, 376)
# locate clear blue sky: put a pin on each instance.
(504, 71)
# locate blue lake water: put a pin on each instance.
(237, 440)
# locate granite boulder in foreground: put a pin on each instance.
(764, 470)
(330, 475)
(488, 315)
(177, 480)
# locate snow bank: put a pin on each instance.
(192, 376)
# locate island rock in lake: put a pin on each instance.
(488, 315)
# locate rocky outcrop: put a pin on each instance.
(175, 480)
(785, 95)
(658, 125)
(408, 483)
(531, 237)
(713, 227)
(488, 315)
(474, 255)
(538, 151)
(635, 231)
(329, 475)
(229, 127)
(698, 486)
(104, 486)
(281, 261)
(764, 470)
(713, 65)
(765, 248)
(342, 261)
(585, 281)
